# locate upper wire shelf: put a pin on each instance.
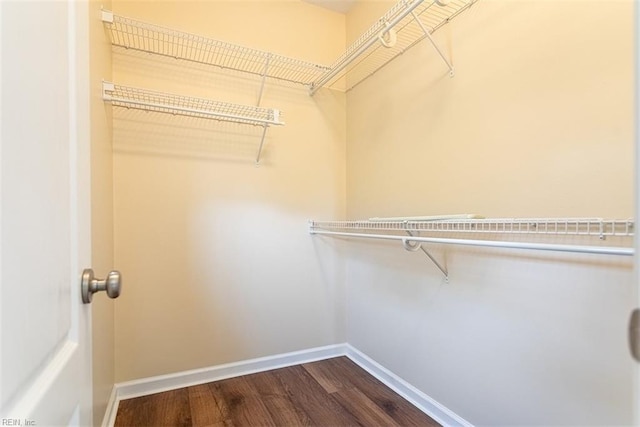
(403, 26)
(133, 34)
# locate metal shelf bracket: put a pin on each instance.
(264, 134)
(433, 43)
(264, 77)
(413, 246)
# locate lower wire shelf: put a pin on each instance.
(448, 231)
(168, 103)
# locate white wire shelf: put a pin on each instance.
(161, 102)
(448, 232)
(599, 227)
(409, 22)
(133, 34)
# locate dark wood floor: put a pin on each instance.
(332, 392)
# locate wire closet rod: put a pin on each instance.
(601, 250)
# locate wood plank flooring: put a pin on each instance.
(332, 392)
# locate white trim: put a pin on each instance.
(420, 400)
(151, 385)
(110, 413)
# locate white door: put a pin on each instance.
(45, 369)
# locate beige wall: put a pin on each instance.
(536, 122)
(218, 263)
(102, 311)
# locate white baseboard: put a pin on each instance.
(158, 384)
(151, 385)
(109, 418)
(420, 400)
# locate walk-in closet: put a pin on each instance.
(334, 212)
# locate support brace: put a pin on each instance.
(435, 46)
(264, 130)
(264, 77)
(412, 245)
(264, 133)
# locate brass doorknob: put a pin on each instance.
(90, 285)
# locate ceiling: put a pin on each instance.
(340, 6)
